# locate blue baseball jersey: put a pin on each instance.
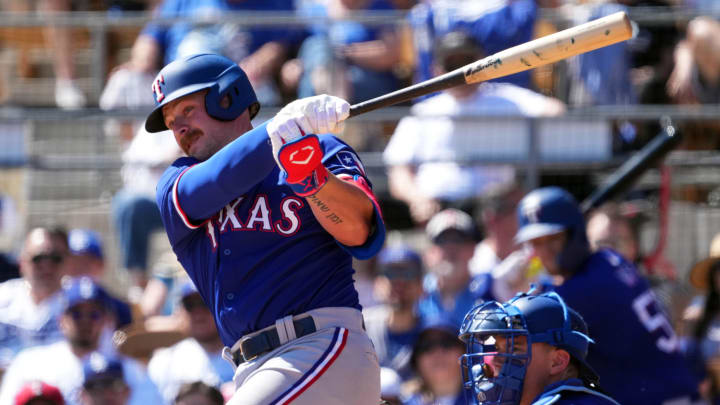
(432, 305)
(636, 353)
(494, 27)
(218, 37)
(253, 248)
(572, 392)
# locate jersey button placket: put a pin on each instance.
(227, 252)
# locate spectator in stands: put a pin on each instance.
(135, 213)
(85, 314)
(67, 93)
(701, 320)
(493, 25)
(198, 393)
(435, 360)
(607, 228)
(512, 271)
(495, 212)
(601, 77)
(39, 393)
(196, 358)
(86, 259)
(695, 78)
(394, 325)
(86, 254)
(345, 58)
(104, 381)
(430, 155)
(450, 290)
(259, 50)
(30, 306)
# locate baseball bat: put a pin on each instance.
(628, 172)
(539, 52)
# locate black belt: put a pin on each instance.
(268, 340)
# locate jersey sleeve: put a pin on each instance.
(341, 160)
(197, 190)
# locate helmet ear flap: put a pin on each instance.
(213, 103)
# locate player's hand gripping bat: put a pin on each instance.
(539, 52)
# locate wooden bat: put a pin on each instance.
(539, 52)
(631, 170)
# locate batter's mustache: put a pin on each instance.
(191, 137)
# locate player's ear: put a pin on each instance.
(225, 101)
(559, 361)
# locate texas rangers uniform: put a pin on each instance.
(272, 275)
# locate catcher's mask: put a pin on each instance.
(499, 340)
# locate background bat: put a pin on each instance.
(539, 52)
(628, 172)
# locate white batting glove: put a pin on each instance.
(312, 115)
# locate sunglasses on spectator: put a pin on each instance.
(93, 314)
(402, 272)
(54, 258)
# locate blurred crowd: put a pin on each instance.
(68, 337)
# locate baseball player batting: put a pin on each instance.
(266, 221)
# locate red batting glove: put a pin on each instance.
(301, 160)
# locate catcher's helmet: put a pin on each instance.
(541, 319)
(218, 74)
(551, 210)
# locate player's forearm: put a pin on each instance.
(343, 210)
(380, 55)
(208, 186)
(265, 61)
(145, 54)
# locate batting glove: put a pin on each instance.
(299, 155)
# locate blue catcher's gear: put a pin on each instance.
(218, 74)
(496, 377)
(552, 210)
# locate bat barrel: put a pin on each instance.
(631, 170)
(573, 41)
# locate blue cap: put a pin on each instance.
(400, 261)
(85, 242)
(547, 211)
(100, 367)
(82, 289)
(435, 329)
